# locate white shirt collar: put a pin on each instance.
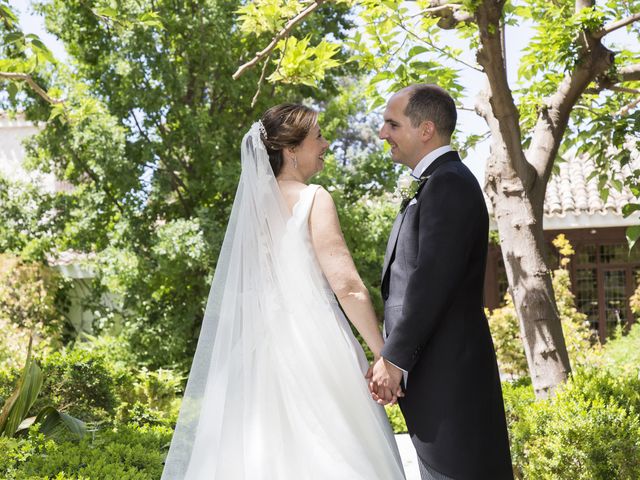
(428, 159)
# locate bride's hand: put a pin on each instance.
(369, 374)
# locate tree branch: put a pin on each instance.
(630, 73)
(627, 108)
(554, 115)
(451, 14)
(24, 77)
(280, 35)
(612, 27)
(435, 47)
(262, 75)
(503, 108)
(633, 91)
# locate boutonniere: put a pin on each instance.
(407, 188)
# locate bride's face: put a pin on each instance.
(310, 153)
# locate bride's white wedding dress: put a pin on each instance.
(277, 388)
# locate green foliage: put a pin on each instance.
(150, 397)
(397, 49)
(303, 64)
(16, 407)
(32, 296)
(575, 326)
(266, 16)
(117, 390)
(396, 419)
(26, 220)
(136, 412)
(359, 177)
(80, 383)
(148, 139)
(13, 347)
(621, 354)
(24, 54)
(505, 331)
(126, 452)
(590, 430)
(50, 421)
(634, 303)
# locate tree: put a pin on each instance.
(145, 124)
(573, 88)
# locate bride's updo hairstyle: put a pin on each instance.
(287, 125)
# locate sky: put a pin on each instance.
(468, 122)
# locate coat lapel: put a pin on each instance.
(397, 224)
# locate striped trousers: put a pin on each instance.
(428, 473)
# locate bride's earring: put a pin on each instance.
(295, 162)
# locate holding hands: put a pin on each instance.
(384, 381)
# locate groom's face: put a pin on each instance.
(404, 139)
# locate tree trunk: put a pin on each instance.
(519, 214)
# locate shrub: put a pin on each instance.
(96, 380)
(590, 430)
(33, 296)
(128, 452)
(80, 383)
(621, 354)
(16, 405)
(153, 399)
(507, 341)
(13, 345)
(8, 379)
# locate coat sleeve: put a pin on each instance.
(448, 217)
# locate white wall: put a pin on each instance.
(13, 131)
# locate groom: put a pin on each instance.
(437, 336)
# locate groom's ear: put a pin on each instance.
(427, 130)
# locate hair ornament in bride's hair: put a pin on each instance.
(263, 130)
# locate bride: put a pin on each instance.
(277, 387)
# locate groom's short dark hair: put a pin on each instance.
(431, 102)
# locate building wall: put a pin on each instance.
(603, 275)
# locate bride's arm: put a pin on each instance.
(337, 265)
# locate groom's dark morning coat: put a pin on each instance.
(432, 286)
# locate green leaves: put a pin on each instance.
(28, 52)
(108, 12)
(266, 16)
(147, 144)
(125, 20)
(17, 406)
(7, 16)
(52, 422)
(633, 234)
(301, 63)
(151, 19)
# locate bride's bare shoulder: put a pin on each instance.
(323, 202)
(324, 217)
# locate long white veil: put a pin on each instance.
(232, 317)
(276, 387)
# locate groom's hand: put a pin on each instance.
(385, 382)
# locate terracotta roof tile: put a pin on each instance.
(569, 192)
